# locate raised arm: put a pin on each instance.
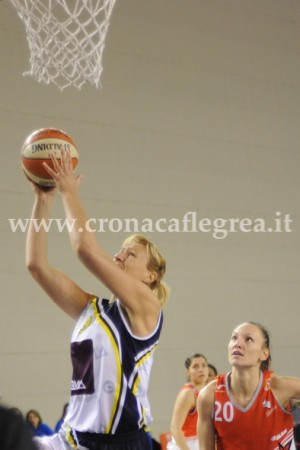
(184, 402)
(205, 426)
(60, 288)
(134, 293)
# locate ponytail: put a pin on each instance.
(162, 292)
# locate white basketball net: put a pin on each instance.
(66, 39)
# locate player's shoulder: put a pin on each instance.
(205, 400)
(208, 391)
(275, 380)
(281, 381)
(187, 391)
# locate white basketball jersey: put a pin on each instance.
(111, 370)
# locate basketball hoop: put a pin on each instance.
(66, 39)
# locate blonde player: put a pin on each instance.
(113, 342)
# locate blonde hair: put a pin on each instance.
(157, 264)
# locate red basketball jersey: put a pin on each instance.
(262, 425)
(189, 427)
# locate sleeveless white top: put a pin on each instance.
(111, 370)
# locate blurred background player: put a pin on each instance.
(184, 418)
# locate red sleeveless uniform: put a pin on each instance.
(262, 425)
(189, 427)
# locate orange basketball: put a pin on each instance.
(36, 150)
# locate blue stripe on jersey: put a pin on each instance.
(135, 356)
(111, 371)
(104, 322)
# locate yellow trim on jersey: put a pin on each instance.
(135, 385)
(70, 439)
(117, 358)
(137, 379)
(146, 355)
(86, 325)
